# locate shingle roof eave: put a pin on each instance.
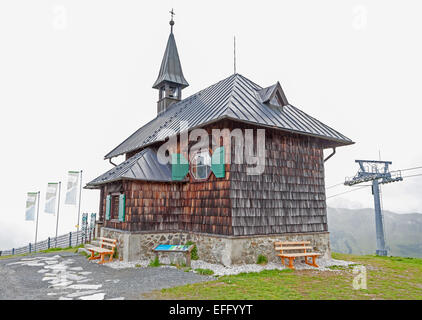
(127, 170)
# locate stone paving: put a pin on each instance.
(68, 276)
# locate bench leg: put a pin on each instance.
(313, 262)
(291, 263)
(92, 257)
(282, 260)
(110, 259)
(102, 258)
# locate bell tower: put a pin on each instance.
(170, 81)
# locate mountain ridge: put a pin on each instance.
(352, 231)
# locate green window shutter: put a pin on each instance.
(122, 207)
(217, 163)
(108, 207)
(179, 166)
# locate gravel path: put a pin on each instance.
(67, 276)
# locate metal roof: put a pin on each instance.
(236, 98)
(142, 166)
(171, 69)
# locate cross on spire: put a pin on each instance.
(171, 21)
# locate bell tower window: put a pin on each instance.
(174, 92)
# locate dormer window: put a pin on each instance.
(275, 101)
(273, 96)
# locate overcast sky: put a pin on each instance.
(76, 77)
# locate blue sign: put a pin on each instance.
(170, 247)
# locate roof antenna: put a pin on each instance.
(171, 21)
(234, 54)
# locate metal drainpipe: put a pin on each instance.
(109, 160)
(333, 153)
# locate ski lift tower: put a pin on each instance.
(377, 172)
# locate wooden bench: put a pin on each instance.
(302, 246)
(186, 249)
(105, 246)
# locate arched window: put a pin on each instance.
(200, 167)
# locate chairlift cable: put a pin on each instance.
(338, 194)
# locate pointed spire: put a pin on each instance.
(171, 69)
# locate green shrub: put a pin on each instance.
(194, 252)
(204, 272)
(178, 265)
(262, 259)
(83, 253)
(155, 262)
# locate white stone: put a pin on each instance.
(85, 286)
(82, 293)
(96, 296)
(76, 269)
(61, 284)
(48, 278)
(74, 277)
(83, 281)
(43, 271)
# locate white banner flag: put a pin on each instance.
(50, 198)
(72, 187)
(31, 200)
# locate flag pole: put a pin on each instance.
(79, 208)
(58, 211)
(36, 224)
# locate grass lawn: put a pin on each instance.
(387, 278)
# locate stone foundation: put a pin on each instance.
(226, 250)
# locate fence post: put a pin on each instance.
(30, 247)
(48, 243)
(70, 238)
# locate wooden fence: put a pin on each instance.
(70, 239)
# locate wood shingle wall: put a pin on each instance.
(289, 197)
